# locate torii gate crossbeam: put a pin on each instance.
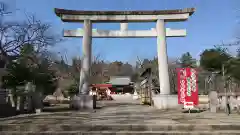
(125, 33)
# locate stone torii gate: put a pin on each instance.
(123, 17)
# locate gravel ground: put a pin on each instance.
(112, 112)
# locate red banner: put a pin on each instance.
(187, 85)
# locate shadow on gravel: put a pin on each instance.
(52, 109)
(109, 105)
(193, 111)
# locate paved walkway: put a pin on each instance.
(123, 113)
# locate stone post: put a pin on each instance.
(123, 26)
(86, 58)
(213, 101)
(162, 58)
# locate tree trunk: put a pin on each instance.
(37, 101)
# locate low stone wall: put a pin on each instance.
(171, 102)
(51, 99)
(234, 102)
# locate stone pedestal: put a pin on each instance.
(213, 108)
(135, 96)
(80, 102)
(166, 101)
(38, 111)
(213, 101)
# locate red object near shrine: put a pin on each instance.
(102, 85)
(187, 85)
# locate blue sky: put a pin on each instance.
(213, 22)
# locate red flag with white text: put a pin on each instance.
(187, 85)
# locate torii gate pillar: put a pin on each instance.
(86, 58)
(162, 58)
(162, 101)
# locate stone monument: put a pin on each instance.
(213, 101)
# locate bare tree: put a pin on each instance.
(98, 70)
(236, 41)
(13, 36)
(4, 9)
(173, 76)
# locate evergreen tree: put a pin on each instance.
(187, 60)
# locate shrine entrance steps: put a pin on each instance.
(122, 119)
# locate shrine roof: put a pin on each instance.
(60, 12)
